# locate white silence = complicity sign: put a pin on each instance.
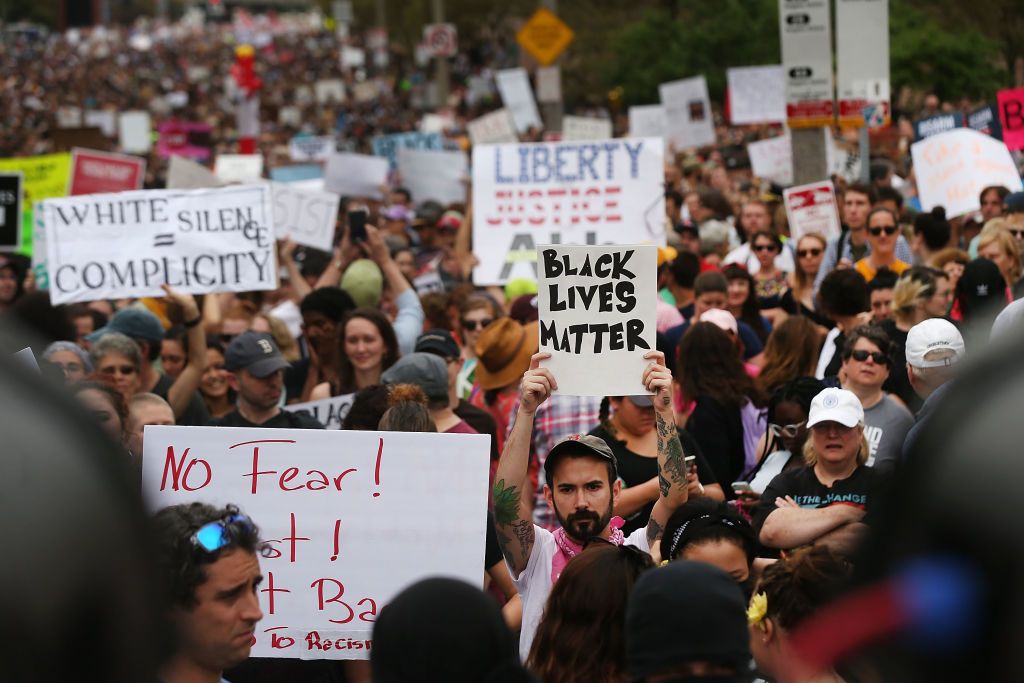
(597, 308)
(127, 244)
(351, 518)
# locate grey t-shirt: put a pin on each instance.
(885, 427)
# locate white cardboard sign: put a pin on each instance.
(812, 208)
(597, 310)
(433, 175)
(306, 216)
(197, 241)
(757, 94)
(342, 512)
(585, 128)
(238, 168)
(330, 412)
(492, 128)
(688, 112)
(514, 86)
(185, 174)
(104, 119)
(135, 132)
(647, 121)
(772, 159)
(952, 168)
(356, 175)
(606, 191)
(330, 90)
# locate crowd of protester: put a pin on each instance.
(682, 535)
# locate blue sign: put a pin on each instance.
(986, 120)
(294, 174)
(933, 125)
(388, 145)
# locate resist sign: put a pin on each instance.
(351, 518)
(569, 192)
(109, 246)
(597, 316)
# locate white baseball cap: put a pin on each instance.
(934, 334)
(836, 405)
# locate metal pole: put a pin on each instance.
(552, 112)
(810, 158)
(441, 77)
(865, 155)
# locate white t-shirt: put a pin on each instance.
(534, 584)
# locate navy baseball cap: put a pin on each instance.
(439, 342)
(255, 352)
(134, 322)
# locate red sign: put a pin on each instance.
(93, 172)
(1011, 115)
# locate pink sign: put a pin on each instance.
(1011, 115)
(184, 139)
(93, 172)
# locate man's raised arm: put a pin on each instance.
(515, 534)
(671, 459)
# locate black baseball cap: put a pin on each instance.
(579, 444)
(1014, 202)
(255, 352)
(439, 342)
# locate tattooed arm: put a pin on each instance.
(671, 464)
(515, 532)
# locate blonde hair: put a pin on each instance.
(282, 337)
(811, 457)
(913, 287)
(800, 280)
(998, 234)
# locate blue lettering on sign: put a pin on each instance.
(388, 145)
(566, 163)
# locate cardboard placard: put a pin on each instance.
(135, 132)
(805, 28)
(197, 241)
(356, 175)
(492, 128)
(342, 511)
(688, 115)
(388, 145)
(95, 172)
(104, 119)
(597, 310)
(311, 148)
(440, 176)
(330, 412)
(812, 208)
(772, 159)
(1011, 116)
(306, 217)
(757, 94)
(585, 128)
(647, 121)
(562, 193)
(238, 168)
(517, 96)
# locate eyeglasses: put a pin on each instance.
(788, 431)
(118, 369)
(860, 355)
(1017, 232)
(764, 247)
(889, 230)
(215, 535)
(476, 324)
(804, 253)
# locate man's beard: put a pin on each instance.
(593, 524)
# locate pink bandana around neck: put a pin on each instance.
(568, 549)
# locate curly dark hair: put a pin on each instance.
(180, 562)
(708, 365)
(800, 584)
(704, 520)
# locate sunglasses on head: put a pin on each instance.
(216, 535)
(804, 253)
(764, 247)
(788, 431)
(889, 230)
(476, 324)
(860, 355)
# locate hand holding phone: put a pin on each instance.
(357, 226)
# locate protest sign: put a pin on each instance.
(549, 84)
(39, 265)
(289, 116)
(329, 90)
(757, 94)
(492, 128)
(297, 173)
(352, 57)
(437, 123)
(862, 56)
(311, 148)
(45, 176)
(306, 217)
(330, 412)
(184, 139)
(111, 246)
(806, 37)
(94, 172)
(1011, 116)
(365, 91)
(478, 88)
(688, 118)
(388, 145)
(238, 168)
(11, 194)
(812, 208)
(69, 117)
(517, 96)
(184, 174)
(952, 168)
(563, 193)
(584, 128)
(940, 123)
(597, 310)
(772, 159)
(647, 121)
(342, 511)
(356, 175)
(440, 176)
(986, 120)
(135, 132)
(104, 119)
(544, 36)
(441, 40)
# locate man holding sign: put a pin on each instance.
(582, 487)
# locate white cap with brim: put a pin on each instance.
(836, 405)
(934, 334)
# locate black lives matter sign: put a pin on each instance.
(10, 216)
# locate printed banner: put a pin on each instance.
(688, 113)
(812, 208)
(388, 145)
(1011, 115)
(608, 191)
(597, 310)
(862, 55)
(940, 123)
(952, 169)
(440, 176)
(806, 37)
(330, 412)
(517, 96)
(344, 513)
(356, 175)
(95, 172)
(11, 193)
(305, 216)
(489, 129)
(198, 241)
(757, 94)
(986, 120)
(311, 148)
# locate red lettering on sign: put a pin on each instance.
(180, 471)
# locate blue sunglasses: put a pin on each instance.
(215, 535)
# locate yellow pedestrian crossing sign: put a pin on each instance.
(545, 36)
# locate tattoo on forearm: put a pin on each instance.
(506, 503)
(664, 485)
(671, 458)
(654, 532)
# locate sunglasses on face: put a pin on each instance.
(804, 253)
(119, 369)
(215, 535)
(860, 355)
(476, 324)
(889, 230)
(764, 247)
(788, 431)
(1017, 232)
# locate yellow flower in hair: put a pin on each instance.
(758, 609)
